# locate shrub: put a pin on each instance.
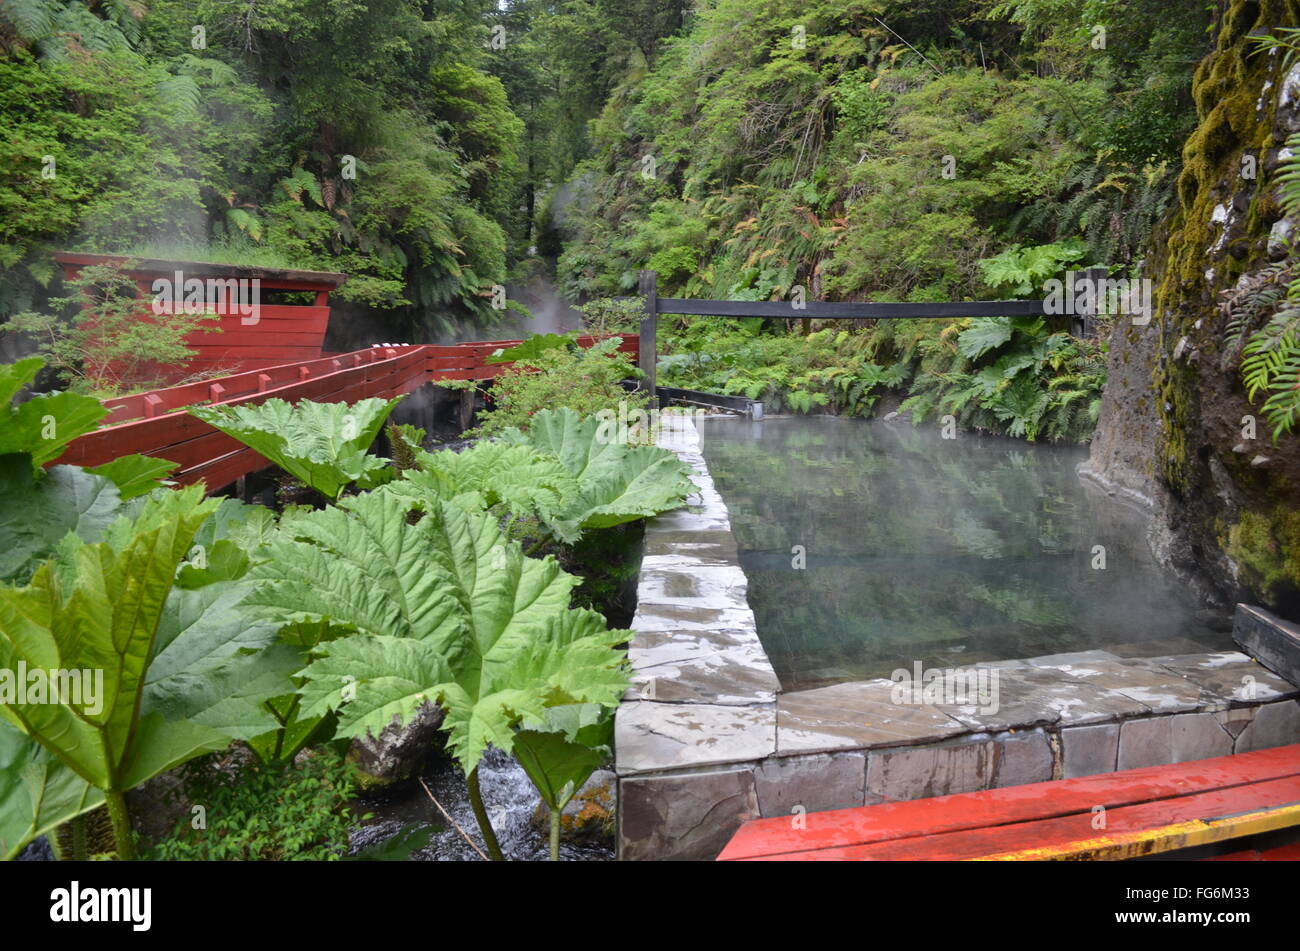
(111, 342)
(586, 381)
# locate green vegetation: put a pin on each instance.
(998, 374)
(1265, 309)
(323, 444)
(95, 340)
(553, 370)
(778, 163)
(261, 813)
(892, 152)
(369, 139)
(214, 621)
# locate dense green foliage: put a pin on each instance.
(806, 146)
(263, 813)
(555, 371)
(216, 621)
(1265, 312)
(888, 151)
(873, 149)
(367, 139)
(104, 346)
(323, 444)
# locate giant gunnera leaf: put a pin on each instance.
(523, 480)
(37, 792)
(323, 444)
(93, 614)
(446, 609)
(617, 483)
(38, 510)
(42, 426)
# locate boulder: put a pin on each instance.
(399, 750)
(589, 816)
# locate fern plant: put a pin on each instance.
(1270, 357)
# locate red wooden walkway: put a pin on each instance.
(156, 423)
(1146, 811)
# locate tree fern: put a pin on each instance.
(31, 20)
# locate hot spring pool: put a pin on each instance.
(869, 546)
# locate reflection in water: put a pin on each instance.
(946, 552)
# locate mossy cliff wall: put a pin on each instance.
(1173, 427)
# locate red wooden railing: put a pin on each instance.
(156, 423)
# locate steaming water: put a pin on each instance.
(508, 796)
(944, 551)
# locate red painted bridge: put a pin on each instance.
(156, 423)
(277, 353)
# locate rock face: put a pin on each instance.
(1175, 425)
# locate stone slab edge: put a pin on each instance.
(1271, 640)
(645, 728)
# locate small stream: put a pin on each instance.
(508, 795)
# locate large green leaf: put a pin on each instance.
(617, 483)
(37, 791)
(983, 334)
(446, 609)
(135, 474)
(534, 346)
(576, 742)
(226, 544)
(37, 511)
(96, 608)
(213, 663)
(42, 426)
(526, 481)
(323, 444)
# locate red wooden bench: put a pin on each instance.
(1109, 816)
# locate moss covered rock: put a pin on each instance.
(1176, 425)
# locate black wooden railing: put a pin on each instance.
(655, 305)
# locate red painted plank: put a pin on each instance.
(223, 470)
(1060, 833)
(921, 817)
(286, 352)
(258, 340)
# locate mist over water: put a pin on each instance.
(552, 314)
(949, 552)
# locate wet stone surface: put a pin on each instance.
(856, 716)
(657, 736)
(715, 666)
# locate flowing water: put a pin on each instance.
(408, 823)
(869, 546)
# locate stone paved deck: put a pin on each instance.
(705, 739)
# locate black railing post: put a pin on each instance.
(648, 287)
(1085, 324)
